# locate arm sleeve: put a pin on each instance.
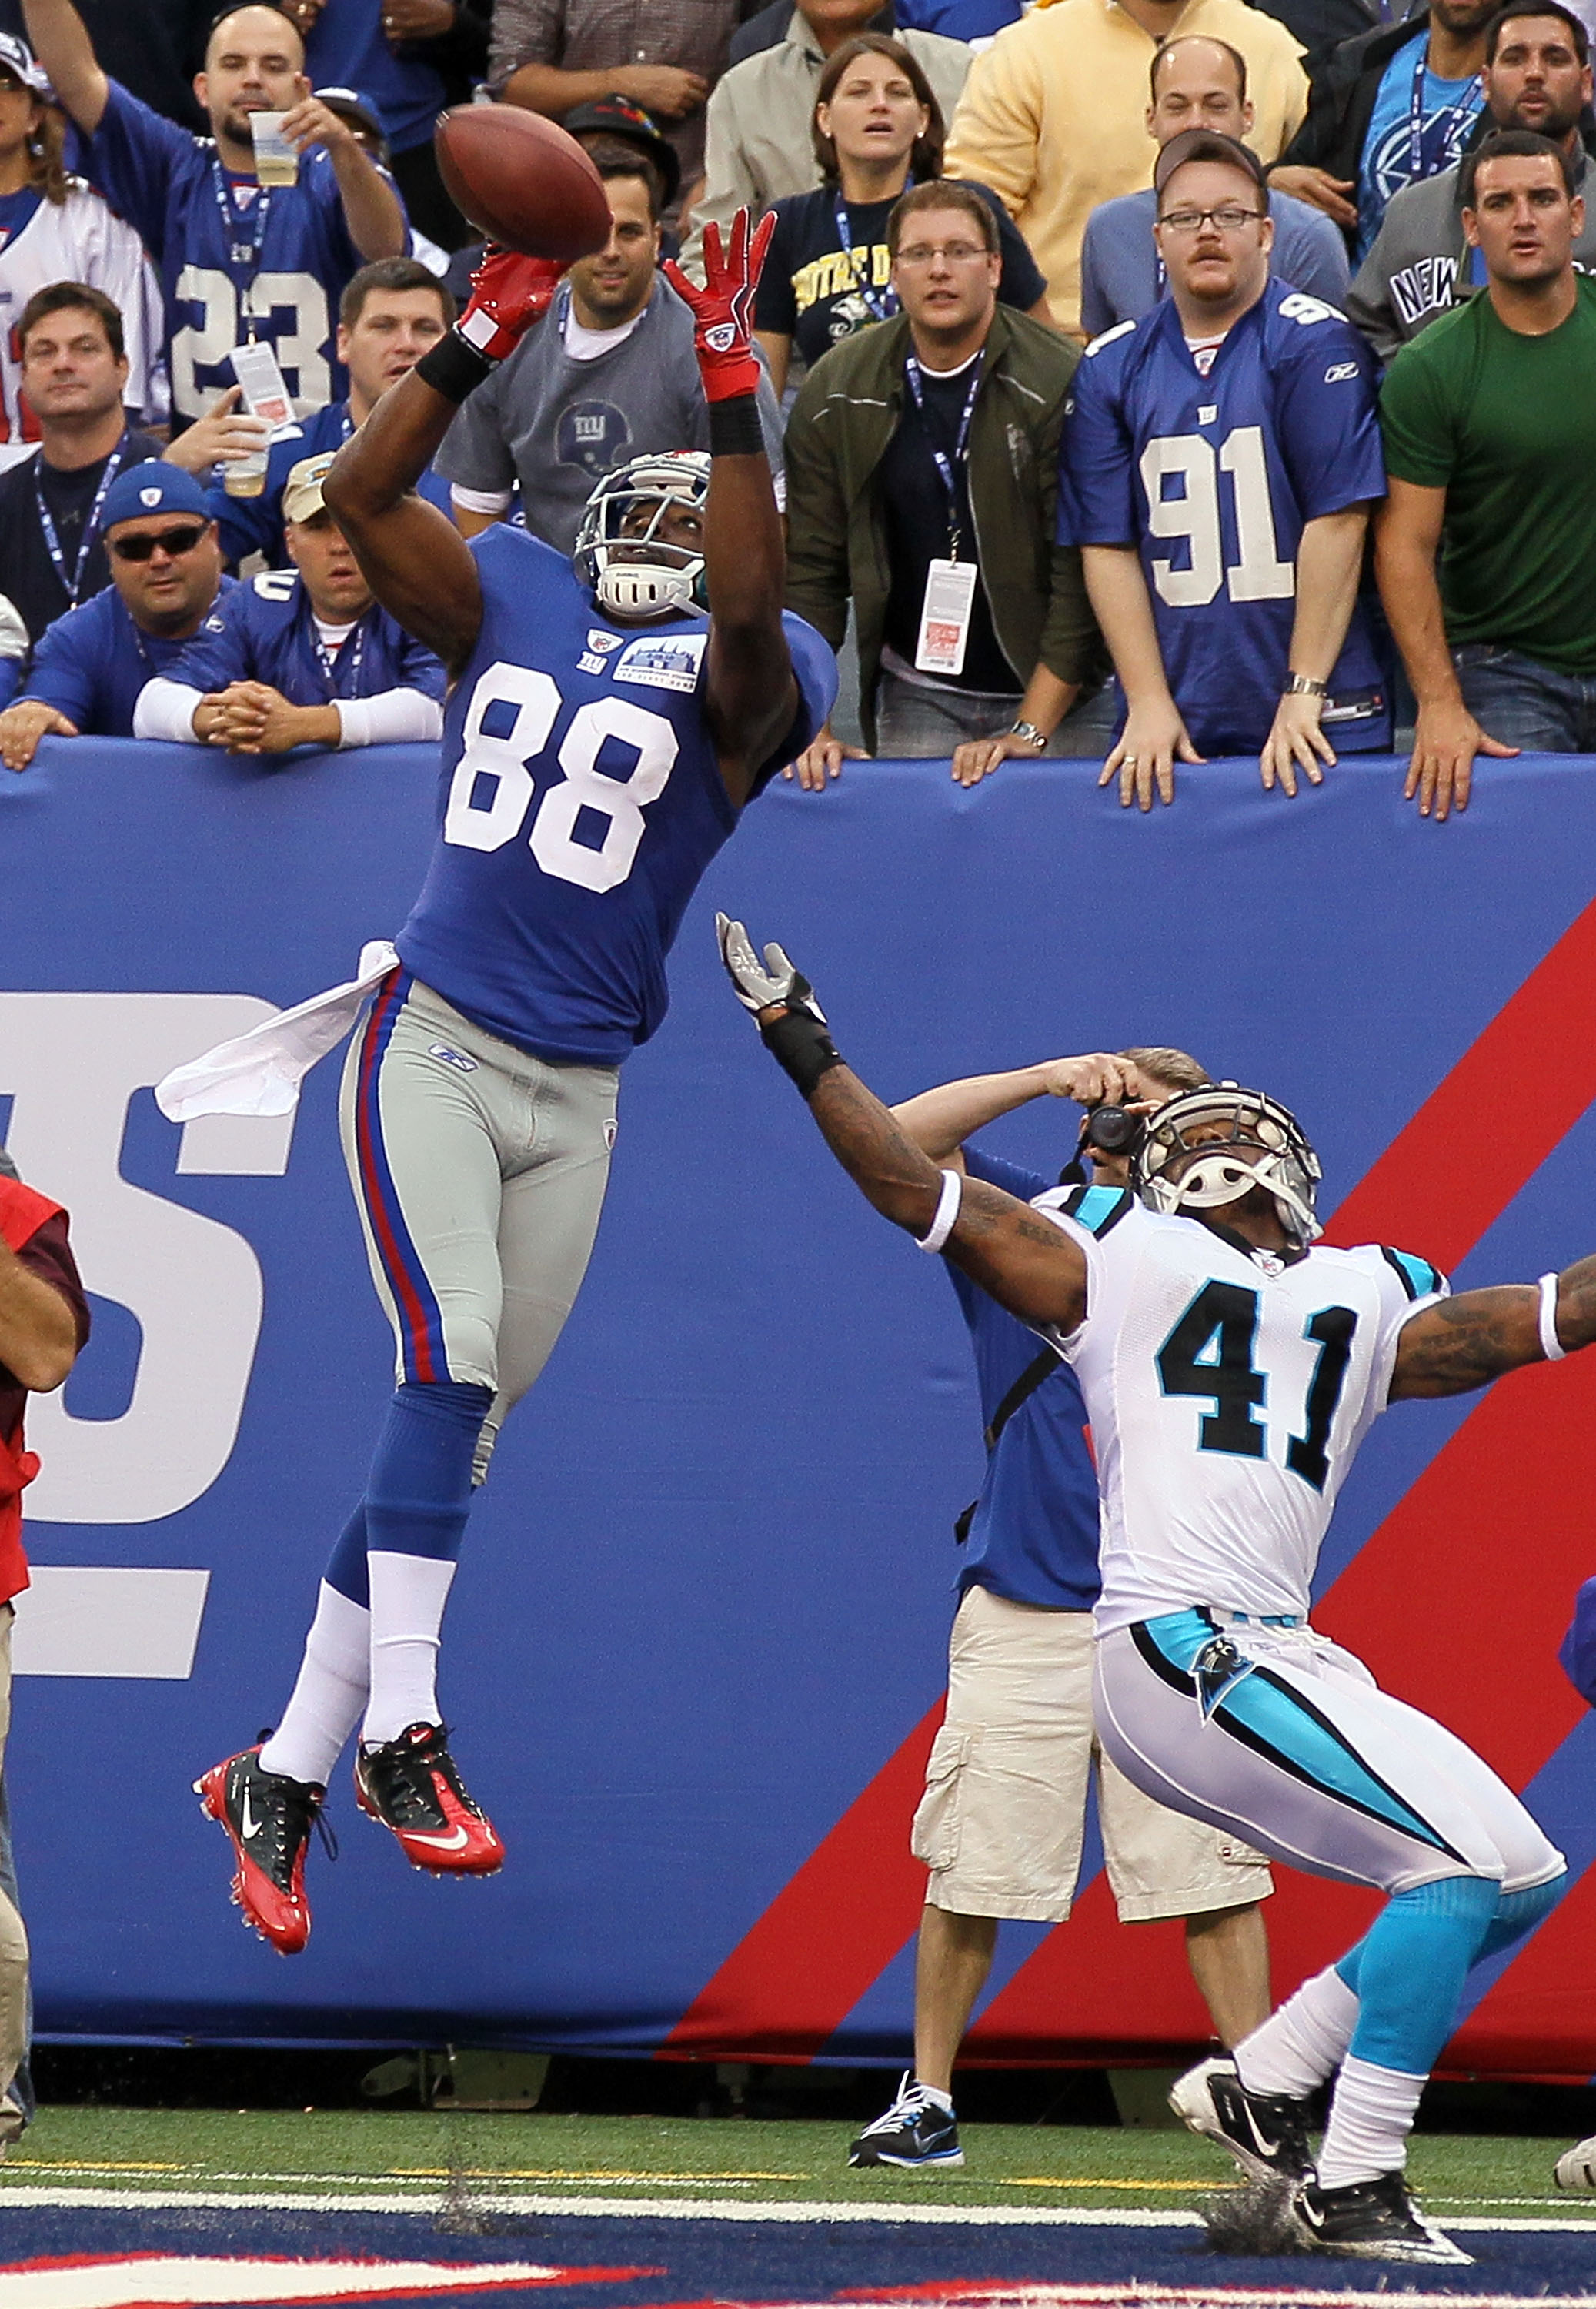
(815, 670)
(1409, 1284)
(993, 138)
(1097, 483)
(1415, 420)
(47, 1254)
(817, 586)
(1328, 421)
(524, 32)
(131, 158)
(393, 717)
(775, 306)
(165, 709)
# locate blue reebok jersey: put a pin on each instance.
(265, 631)
(1034, 1534)
(281, 278)
(581, 802)
(1213, 478)
(255, 524)
(92, 664)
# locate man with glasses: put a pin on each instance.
(166, 572)
(1219, 458)
(920, 464)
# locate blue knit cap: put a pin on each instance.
(150, 488)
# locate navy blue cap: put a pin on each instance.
(1577, 1651)
(152, 487)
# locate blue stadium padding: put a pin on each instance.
(706, 1591)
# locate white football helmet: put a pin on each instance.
(1288, 1170)
(620, 553)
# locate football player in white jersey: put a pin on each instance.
(1231, 1366)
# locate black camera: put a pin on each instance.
(1114, 1131)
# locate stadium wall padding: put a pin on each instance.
(698, 1639)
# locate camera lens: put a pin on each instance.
(1111, 1130)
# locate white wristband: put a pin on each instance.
(1550, 1347)
(947, 1212)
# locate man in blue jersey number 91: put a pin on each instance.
(604, 725)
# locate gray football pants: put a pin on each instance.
(479, 1173)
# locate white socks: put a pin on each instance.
(329, 1695)
(1371, 2116)
(1304, 2042)
(408, 1595)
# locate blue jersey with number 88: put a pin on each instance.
(581, 802)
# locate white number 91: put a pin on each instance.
(489, 824)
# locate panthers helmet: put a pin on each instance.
(620, 553)
(1290, 1169)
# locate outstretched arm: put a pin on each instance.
(60, 40)
(750, 691)
(1022, 1261)
(1464, 1343)
(413, 557)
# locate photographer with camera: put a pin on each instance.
(1002, 1820)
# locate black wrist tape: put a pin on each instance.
(735, 429)
(452, 368)
(801, 1046)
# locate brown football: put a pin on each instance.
(522, 181)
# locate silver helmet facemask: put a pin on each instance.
(633, 571)
(1287, 1168)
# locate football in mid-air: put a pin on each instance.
(522, 181)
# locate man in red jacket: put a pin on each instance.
(44, 1322)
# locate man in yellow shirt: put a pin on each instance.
(1053, 116)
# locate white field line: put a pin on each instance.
(667, 2209)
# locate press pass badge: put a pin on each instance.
(945, 618)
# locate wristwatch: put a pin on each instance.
(1030, 733)
(1299, 685)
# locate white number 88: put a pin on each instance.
(552, 838)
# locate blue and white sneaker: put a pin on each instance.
(914, 2133)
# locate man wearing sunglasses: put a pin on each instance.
(91, 665)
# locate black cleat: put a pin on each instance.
(914, 2134)
(1265, 2132)
(411, 1785)
(1372, 2220)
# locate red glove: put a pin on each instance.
(723, 309)
(509, 293)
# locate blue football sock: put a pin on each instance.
(418, 1494)
(1410, 1969)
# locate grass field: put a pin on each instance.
(414, 2154)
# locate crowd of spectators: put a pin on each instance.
(1143, 379)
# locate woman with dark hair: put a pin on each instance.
(877, 129)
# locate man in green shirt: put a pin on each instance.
(1489, 423)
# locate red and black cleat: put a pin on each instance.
(269, 1819)
(411, 1785)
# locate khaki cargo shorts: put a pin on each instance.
(1001, 1823)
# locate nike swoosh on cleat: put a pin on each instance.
(248, 1825)
(454, 1842)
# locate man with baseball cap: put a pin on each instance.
(91, 665)
(1218, 460)
(298, 657)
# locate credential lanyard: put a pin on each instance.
(1416, 168)
(881, 308)
(243, 257)
(52, 542)
(911, 372)
(353, 651)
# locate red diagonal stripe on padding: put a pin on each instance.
(833, 1929)
(1516, 1094)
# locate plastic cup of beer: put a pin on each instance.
(246, 477)
(276, 161)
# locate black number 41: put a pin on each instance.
(1210, 1353)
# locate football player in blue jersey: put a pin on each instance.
(298, 657)
(605, 726)
(1233, 1364)
(237, 259)
(1218, 459)
(1002, 1822)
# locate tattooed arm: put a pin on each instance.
(1466, 1341)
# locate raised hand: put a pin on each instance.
(509, 293)
(756, 989)
(723, 309)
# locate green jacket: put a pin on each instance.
(842, 423)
